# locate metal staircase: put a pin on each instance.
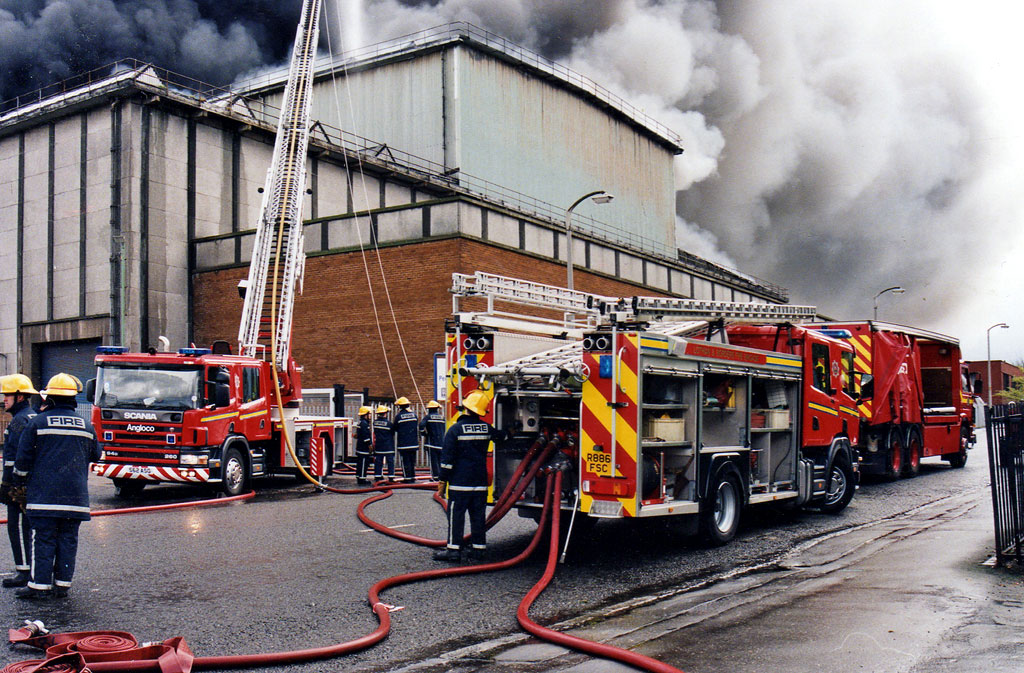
(278, 258)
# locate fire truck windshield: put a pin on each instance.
(148, 387)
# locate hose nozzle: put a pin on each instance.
(34, 627)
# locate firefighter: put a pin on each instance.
(53, 459)
(407, 438)
(464, 473)
(383, 444)
(432, 429)
(17, 391)
(364, 445)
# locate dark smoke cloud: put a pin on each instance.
(833, 146)
(45, 41)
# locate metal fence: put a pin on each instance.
(1005, 434)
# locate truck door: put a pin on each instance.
(253, 412)
(823, 375)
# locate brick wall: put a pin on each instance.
(336, 337)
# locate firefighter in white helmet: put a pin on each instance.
(54, 453)
(432, 429)
(464, 473)
(18, 391)
(407, 438)
(364, 445)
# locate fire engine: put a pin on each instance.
(207, 416)
(663, 407)
(914, 397)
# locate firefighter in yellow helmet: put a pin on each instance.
(432, 429)
(53, 462)
(18, 391)
(383, 444)
(364, 445)
(407, 438)
(464, 472)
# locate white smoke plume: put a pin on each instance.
(834, 147)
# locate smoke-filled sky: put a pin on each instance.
(835, 147)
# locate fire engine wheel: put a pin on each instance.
(959, 459)
(128, 488)
(840, 487)
(721, 512)
(894, 459)
(234, 473)
(914, 449)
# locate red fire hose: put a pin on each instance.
(174, 505)
(116, 651)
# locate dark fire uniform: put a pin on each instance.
(54, 453)
(432, 429)
(18, 528)
(407, 438)
(364, 449)
(464, 467)
(383, 446)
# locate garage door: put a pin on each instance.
(71, 357)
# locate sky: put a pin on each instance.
(835, 147)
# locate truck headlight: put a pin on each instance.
(194, 459)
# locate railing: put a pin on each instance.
(1005, 434)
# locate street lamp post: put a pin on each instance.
(599, 196)
(988, 356)
(895, 289)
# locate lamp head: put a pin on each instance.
(602, 198)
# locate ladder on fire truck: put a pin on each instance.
(278, 256)
(583, 311)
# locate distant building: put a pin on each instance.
(128, 202)
(1002, 375)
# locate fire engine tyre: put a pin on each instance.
(894, 454)
(720, 514)
(128, 489)
(913, 450)
(234, 473)
(959, 459)
(840, 488)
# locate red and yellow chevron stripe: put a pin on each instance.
(596, 420)
(862, 362)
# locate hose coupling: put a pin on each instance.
(35, 627)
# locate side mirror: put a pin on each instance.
(90, 390)
(221, 394)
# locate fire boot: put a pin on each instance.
(30, 594)
(475, 555)
(19, 580)
(450, 555)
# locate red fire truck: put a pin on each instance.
(202, 416)
(914, 399)
(655, 417)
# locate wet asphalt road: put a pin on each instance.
(290, 569)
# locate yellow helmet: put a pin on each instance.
(477, 402)
(17, 383)
(63, 385)
(432, 404)
(402, 401)
(382, 409)
(364, 410)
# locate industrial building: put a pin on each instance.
(128, 198)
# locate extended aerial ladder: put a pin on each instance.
(278, 257)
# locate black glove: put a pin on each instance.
(18, 495)
(5, 494)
